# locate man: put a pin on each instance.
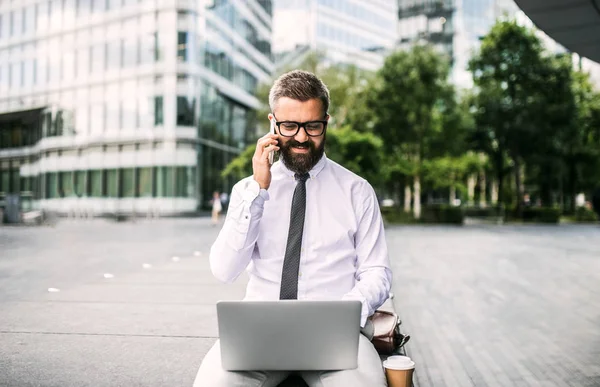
(304, 228)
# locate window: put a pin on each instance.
(185, 182)
(113, 55)
(97, 118)
(98, 5)
(26, 184)
(113, 4)
(182, 43)
(97, 58)
(11, 22)
(96, 188)
(112, 183)
(80, 183)
(130, 52)
(145, 182)
(157, 52)
(160, 182)
(128, 181)
(15, 178)
(83, 7)
(5, 181)
(66, 184)
(52, 185)
(82, 62)
(185, 111)
(164, 182)
(158, 110)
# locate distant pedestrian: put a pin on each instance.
(217, 207)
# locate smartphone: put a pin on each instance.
(272, 131)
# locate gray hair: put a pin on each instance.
(301, 86)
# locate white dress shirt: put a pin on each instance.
(344, 253)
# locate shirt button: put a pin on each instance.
(300, 274)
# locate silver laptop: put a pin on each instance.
(289, 335)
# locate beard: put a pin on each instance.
(301, 163)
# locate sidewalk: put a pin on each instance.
(147, 328)
(485, 306)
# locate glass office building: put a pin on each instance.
(360, 32)
(455, 27)
(127, 105)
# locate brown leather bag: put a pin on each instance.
(386, 332)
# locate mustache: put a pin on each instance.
(294, 143)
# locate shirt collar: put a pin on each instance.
(313, 172)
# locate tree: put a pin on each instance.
(511, 75)
(407, 102)
(241, 166)
(358, 151)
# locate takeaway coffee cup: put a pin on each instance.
(399, 371)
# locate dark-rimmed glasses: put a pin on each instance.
(291, 128)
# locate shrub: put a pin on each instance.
(583, 214)
(541, 214)
(441, 213)
(395, 215)
(484, 212)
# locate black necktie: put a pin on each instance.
(291, 262)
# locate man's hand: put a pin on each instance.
(260, 161)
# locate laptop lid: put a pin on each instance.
(289, 335)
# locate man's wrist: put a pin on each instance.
(254, 191)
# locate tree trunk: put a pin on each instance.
(519, 187)
(417, 197)
(482, 190)
(407, 197)
(546, 188)
(397, 189)
(572, 187)
(471, 189)
(452, 197)
(500, 177)
(494, 193)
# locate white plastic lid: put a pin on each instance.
(399, 363)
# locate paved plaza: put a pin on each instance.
(133, 303)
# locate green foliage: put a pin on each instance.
(583, 214)
(395, 215)
(359, 152)
(484, 212)
(443, 214)
(541, 214)
(241, 166)
(408, 97)
(529, 111)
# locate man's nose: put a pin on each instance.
(301, 136)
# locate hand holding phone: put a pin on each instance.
(272, 131)
(263, 158)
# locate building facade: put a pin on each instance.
(127, 105)
(455, 27)
(359, 32)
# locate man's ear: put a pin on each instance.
(270, 116)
